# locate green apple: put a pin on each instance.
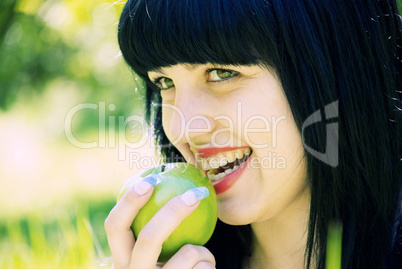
(176, 179)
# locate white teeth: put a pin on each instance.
(230, 155)
(213, 162)
(223, 158)
(205, 165)
(238, 154)
(247, 151)
(216, 177)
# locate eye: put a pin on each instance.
(164, 83)
(216, 75)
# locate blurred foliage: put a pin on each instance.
(65, 41)
(70, 45)
(55, 54)
(71, 237)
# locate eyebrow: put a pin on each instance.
(189, 67)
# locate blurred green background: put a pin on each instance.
(66, 136)
(70, 131)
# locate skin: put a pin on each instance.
(213, 106)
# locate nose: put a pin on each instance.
(190, 119)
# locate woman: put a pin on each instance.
(306, 93)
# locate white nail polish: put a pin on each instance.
(142, 187)
(192, 196)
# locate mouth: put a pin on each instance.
(224, 163)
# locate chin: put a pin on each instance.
(234, 220)
(234, 216)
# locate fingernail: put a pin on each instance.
(147, 183)
(192, 196)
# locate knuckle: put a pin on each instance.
(204, 265)
(112, 222)
(190, 252)
(109, 224)
(146, 237)
(173, 208)
(130, 197)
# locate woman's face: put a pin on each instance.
(235, 123)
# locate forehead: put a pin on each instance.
(159, 35)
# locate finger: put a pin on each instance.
(118, 223)
(190, 256)
(204, 265)
(163, 223)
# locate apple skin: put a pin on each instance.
(176, 179)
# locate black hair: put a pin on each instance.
(323, 52)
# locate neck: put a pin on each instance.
(280, 242)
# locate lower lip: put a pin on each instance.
(229, 180)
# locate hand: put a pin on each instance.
(144, 253)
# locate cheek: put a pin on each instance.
(262, 130)
(257, 132)
(167, 122)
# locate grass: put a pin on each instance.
(73, 237)
(67, 238)
(54, 196)
(334, 246)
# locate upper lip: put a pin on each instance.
(208, 152)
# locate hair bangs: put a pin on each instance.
(154, 34)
